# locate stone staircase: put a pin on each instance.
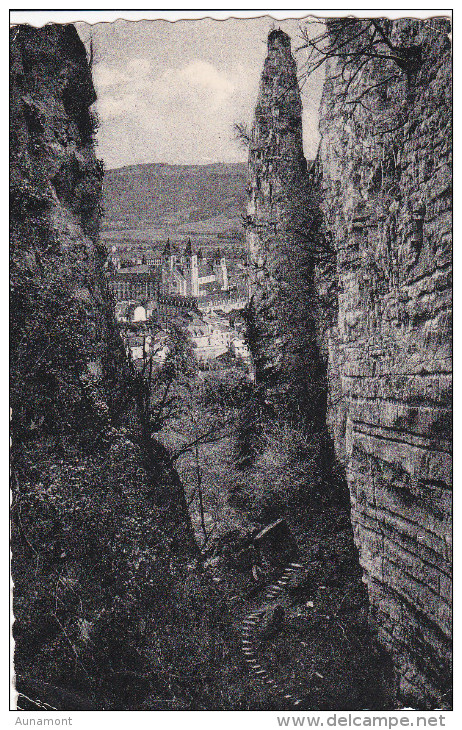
(252, 623)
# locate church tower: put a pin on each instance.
(194, 276)
(224, 274)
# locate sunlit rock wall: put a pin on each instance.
(385, 157)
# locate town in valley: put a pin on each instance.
(188, 271)
(205, 295)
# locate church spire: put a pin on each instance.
(188, 249)
(167, 250)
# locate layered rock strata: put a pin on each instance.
(385, 157)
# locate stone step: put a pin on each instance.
(249, 625)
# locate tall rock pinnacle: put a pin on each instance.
(276, 159)
(278, 215)
(278, 113)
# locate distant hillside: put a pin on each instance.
(149, 200)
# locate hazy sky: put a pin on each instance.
(170, 92)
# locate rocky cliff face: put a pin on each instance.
(98, 513)
(56, 265)
(71, 381)
(385, 157)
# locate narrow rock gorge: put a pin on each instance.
(382, 180)
(349, 327)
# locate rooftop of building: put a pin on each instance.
(135, 341)
(133, 272)
(223, 296)
(211, 287)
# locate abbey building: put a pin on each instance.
(190, 273)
